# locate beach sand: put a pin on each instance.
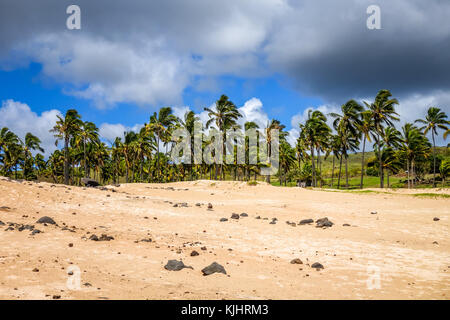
(398, 253)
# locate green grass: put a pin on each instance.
(431, 195)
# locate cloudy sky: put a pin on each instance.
(273, 58)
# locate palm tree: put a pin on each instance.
(116, 154)
(313, 134)
(382, 112)
(435, 119)
(365, 128)
(160, 124)
(64, 129)
(287, 159)
(31, 143)
(187, 123)
(127, 150)
(8, 140)
(415, 145)
(347, 126)
(88, 133)
(250, 125)
(273, 125)
(225, 117)
(391, 139)
(335, 149)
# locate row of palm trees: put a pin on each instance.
(143, 156)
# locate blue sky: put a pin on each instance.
(28, 85)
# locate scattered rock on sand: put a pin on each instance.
(296, 261)
(198, 204)
(243, 214)
(35, 270)
(105, 237)
(46, 219)
(234, 216)
(175, 265)
(210, 206)
(5, 208)
(436, 219)
(346, 225)
(93, 237)
(306, 221)
(194, 253)
(213, 268)
(35, 231)
(89, 182)
(317, 266)
(2, 223)
(373, 212)
(324, 222)
(258, 217)
(223, 219)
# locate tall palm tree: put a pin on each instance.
(225, 117)
(273, 125)
(88, 133)
(335, 149)
(187, 123)
(31, 143)
(382, 112)
(130, 138)
(64, 129)
(365, 128)
(346, 125)
(434, 120)
(250, 152)
(8, 140)
(391, 140)
(160, 124)
(415, 145)
(287, 160)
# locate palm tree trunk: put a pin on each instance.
(407, 169)
(332, 173)
(66, 159)
(157, 161)
(313, 167)
(86, 174)
(380, 169)
(340, 170)
(318, 160)
(362, 163)
(434, 159)
(268, 153)
(387, 172)
(346, 171)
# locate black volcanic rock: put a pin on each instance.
(213, 268)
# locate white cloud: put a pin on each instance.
(298, 118)
(110, 72)
(253, 110)
(19, 118)
(109, 132)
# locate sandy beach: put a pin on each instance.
(380, 246)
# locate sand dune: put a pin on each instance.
(401, 245)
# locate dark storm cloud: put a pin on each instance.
(336, 56)
(143, 51)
